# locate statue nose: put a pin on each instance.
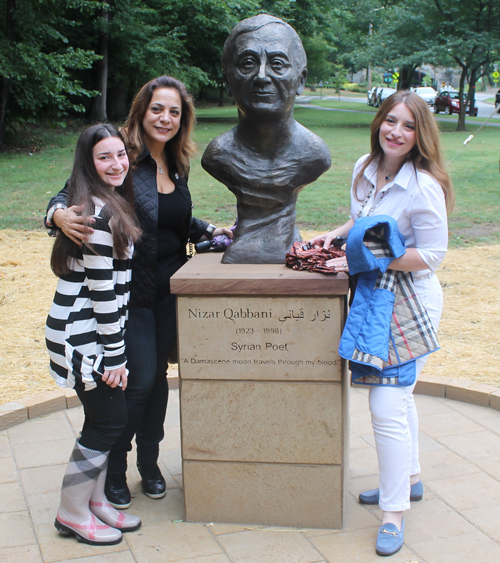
(262, 74)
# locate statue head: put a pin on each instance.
(264, 66)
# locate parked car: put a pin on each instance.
(372, 96)
(497, 99)
(449, 89)
(382, 94)
(427, 94)
(449, 102)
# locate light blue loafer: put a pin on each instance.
(390, 539)
(372, 497)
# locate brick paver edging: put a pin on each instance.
(46, 403)
(53, 401)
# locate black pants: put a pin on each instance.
(105, 416)
(149, 337)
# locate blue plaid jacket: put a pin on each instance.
(388, 327)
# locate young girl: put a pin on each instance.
(85, 330)
(158, 136)
(403, 177)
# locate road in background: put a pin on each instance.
(484, 109)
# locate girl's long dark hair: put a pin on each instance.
(86, 184)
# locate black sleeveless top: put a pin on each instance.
(173, 210)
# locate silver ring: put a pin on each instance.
(344, 265)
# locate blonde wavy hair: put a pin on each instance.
(181, 147)
(426, 154)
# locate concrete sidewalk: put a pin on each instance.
(457, 522)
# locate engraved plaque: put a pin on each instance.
(260, 338)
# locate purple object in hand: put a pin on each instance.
(221, 242)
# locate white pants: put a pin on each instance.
(395, 419)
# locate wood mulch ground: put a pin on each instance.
(469, 333)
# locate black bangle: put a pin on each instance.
(209, 231)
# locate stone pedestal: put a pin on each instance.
(264, 393)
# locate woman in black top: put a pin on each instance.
(158, 137)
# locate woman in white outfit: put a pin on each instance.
(402, 177)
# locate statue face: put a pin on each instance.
(265, 77)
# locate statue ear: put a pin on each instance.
(226, 84)
(302, 82)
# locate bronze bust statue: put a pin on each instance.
(268, 157)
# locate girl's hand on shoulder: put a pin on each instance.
(73, 225)
(115, 377)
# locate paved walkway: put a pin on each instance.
(457, 522)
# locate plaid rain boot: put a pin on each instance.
(74, 516)
(100, 506)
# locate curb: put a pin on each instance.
(48, 402)
(473, 392)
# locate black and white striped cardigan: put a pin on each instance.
(86, 323)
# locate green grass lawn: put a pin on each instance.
(335, 104)
(332, 92)
(31, 176)
(27, 180)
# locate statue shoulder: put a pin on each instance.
(221, 145)
(309, 141)
(219, 153)
(314, 151)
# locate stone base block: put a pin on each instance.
(282, 494)
(263, 394)
(262, 421)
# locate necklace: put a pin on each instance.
(368, 196)
(387, 176)
(374, 205)
(160, 170)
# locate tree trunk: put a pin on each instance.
(4, 96)
(463, 106)
(471, 98)
(405, 77)
(118, 109)
(221, 95)
(5, 82)
(98, 107)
